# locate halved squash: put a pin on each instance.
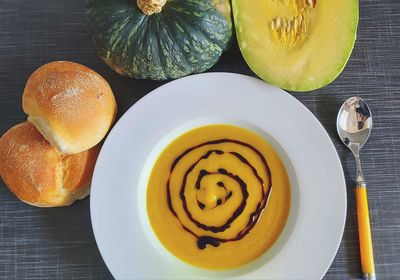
(298, 45)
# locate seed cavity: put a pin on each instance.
(292, 30)
(288, 29)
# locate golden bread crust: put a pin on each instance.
(70, 104)
(38, 174)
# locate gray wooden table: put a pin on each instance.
(58, 243)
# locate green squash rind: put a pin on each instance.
(187, 36)
(302, 88)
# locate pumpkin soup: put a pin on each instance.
(218, 196)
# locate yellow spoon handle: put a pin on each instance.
(364, 231)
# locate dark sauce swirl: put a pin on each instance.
(204, 240)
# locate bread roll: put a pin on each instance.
(38, 174)
(71, 105)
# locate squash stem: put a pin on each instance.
(149, 7)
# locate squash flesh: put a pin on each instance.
(302, 60)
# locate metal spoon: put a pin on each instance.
(354, 125)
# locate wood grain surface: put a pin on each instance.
(58, 243)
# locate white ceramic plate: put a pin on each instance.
(316, 220)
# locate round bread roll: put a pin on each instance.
(38, 174)
(71, 105)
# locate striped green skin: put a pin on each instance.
(187, 36)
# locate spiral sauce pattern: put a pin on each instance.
(221, 195)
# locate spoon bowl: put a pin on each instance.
(354, 123)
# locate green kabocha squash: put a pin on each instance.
(159, 39)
